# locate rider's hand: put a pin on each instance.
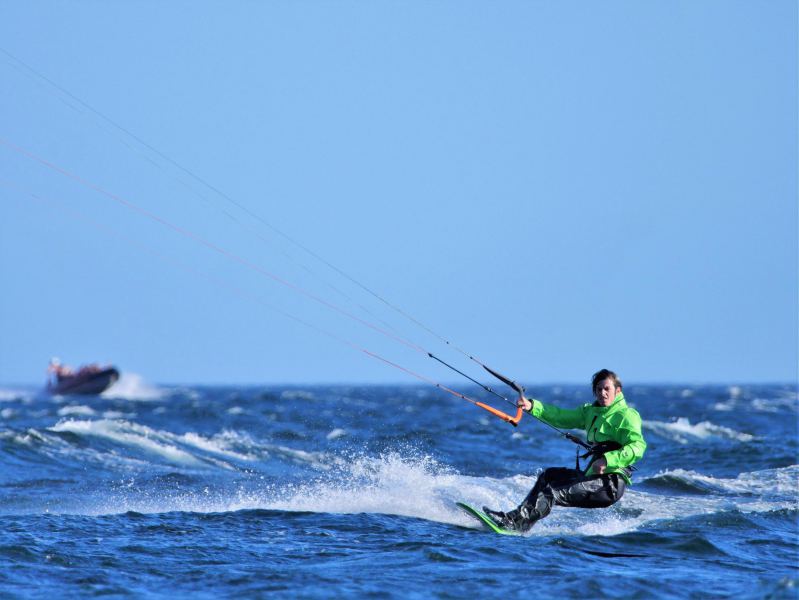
(524, 403)
(599, 466)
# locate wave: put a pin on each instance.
(414, 485)
(149, 470)
(11, 395)
(683, 432)
(393, 484)
(131, 386)
(785, 400)
(76, 410)
(113, 444)
(189, 449)
(779, 484)
(420, 487)
(767, 491)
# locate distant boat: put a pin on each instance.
(89, 380)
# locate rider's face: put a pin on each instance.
(605, 392)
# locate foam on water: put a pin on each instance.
(782, 482)
(393, 484)
(145, 446)
(79, 410)
(413, 485)
(336, 433)
(216, 444)
(683, 432)
(730, 520)
(779, 404)
(756, 492)
(131, 386)
(781, 401)
(130, 434)
(405, 483)
(10, 395)
(388, 484)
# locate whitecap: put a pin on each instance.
(774, 405)
(216, 445)
(381, 484)
(780, 482)
(115, 414)
(130, 434)
(683, 432)
(76, 410)
(336, 433)
(131, 386)
(12, 395)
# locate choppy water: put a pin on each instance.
(350, 491)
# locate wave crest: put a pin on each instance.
(683, 432)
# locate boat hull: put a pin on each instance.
(88, 384)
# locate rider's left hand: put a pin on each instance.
(599, 466)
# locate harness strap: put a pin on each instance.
(596, 451)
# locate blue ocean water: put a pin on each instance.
(336, 491)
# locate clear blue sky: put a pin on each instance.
(555, 187)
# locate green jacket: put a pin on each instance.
(617, 422)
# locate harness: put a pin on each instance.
(595, 450)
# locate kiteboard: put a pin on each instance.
(485, 519)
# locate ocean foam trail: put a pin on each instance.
(395, 485)
(389, 484)
(420, 487)
(382, 485)
(683, 432)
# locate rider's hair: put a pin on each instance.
(601, 376)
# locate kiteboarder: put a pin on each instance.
(615, 430)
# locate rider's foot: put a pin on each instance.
(500, 518)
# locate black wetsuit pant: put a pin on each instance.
(566, 487)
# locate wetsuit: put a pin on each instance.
(571, 487)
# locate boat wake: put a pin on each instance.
(131, 386)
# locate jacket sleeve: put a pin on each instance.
(632, 441)
(559, 417)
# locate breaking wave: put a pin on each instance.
(131, 386)
(684, 432)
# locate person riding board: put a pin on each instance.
(609, 423)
